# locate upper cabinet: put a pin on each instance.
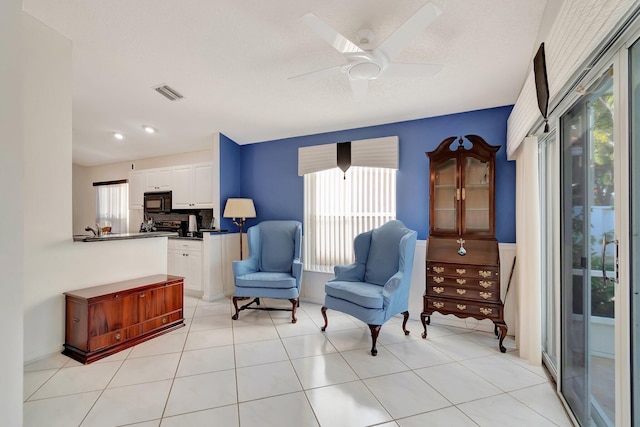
(136, 189)
(462, 188)
(158, 179)
(192, 186)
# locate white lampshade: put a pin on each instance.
(239, 208)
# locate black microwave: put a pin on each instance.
(157, 202)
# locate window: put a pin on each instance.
(338, 206)
(112, 205)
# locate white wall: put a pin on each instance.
(84, 198)
(11, 253)
(53, 263)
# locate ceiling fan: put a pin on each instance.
(364, 65)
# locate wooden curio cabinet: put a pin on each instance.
(463, 264)
(462, 199)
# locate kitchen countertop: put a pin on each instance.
(123, 236)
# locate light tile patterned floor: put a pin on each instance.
(261, 370)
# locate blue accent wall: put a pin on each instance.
(270, 169)
(230, 177)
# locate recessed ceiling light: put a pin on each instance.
(118, 135)
(148, 129)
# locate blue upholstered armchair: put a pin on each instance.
(376, 286)
(273, 269)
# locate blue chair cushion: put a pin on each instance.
(384, 253)
(278, 245)
(361, 293)
(262, 279)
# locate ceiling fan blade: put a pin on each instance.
(411, 28)
(336, 69)
(398, 69)
(359, 88)
(331, 36)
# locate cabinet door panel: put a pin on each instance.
(203, 186)
(182, 187)
(151, 303)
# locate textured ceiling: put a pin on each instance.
(231, 60)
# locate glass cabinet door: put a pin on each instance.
(476, 195)
(445, 189)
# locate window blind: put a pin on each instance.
(580, 27)
(338, 207)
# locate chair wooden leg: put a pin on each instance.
(235, 305)
(375, 330)
(323, 310)
(404, 322)
(295, 303)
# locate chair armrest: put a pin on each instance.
(244, 267)
(296, 271)
(391, 286)
(349, 273)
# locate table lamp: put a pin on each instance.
(239, 210)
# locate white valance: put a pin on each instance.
(375, 152)
(579, 29)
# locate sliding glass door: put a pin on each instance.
(634, 224)
(549, 243)
(587, 250)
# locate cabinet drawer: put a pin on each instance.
(466, 308)
(112, 338)
(160, 321)
(467, 293)
(460, 270)
(463, 282)
(188, 245)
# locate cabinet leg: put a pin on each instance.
(503, 333)
(425, 319)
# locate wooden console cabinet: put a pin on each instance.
(463, 263)
(103, 320)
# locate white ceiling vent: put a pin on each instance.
(169, 93)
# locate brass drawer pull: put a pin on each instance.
(438, 289)
(164, 320)
(461, 281)
(118, 336)
(486, 311)
(438, 304)
(461, 307)
(460, 270)
(438, 269)
(461, 291)
(485, 283)
(484, 273)
(141, 295)
(438, 279)
(485, 295)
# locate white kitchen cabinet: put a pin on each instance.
(158, 179)
(185, 259)
(192, 186)
(136, 189)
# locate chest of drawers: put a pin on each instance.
(103, 320)
(465, 286)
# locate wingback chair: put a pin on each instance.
(376, 286)
(273, 269)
